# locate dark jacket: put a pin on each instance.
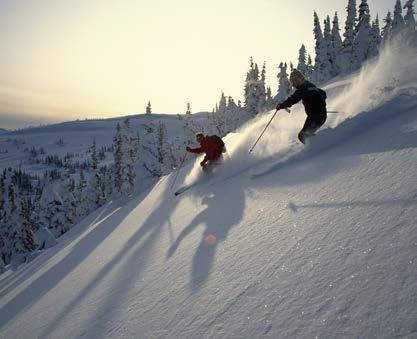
(314, 100)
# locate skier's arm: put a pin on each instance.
(292, 100)
(195, 150)
(202, 164)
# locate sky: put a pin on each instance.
(65, 60)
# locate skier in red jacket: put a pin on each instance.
(207, 145)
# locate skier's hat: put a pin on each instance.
(199, 135)
(297, 75)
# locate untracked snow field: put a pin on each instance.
(324, 245)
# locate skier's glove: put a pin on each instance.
(202, 164)
(188, 148)
(278, 107)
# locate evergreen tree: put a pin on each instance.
(13, 198)
(347, 53)
(28, 242)
(149, 108)
(220, 118)
(363, 37)
(270, 104)
(409, 19)
(284, 86)
(231, 105)
(188, 109)
(110, 182)
(221, 108)
(328, 43)
(81, 200)
(251, 89)
(302, 64)
(363, 10)
(56, 217)
(93, 189)
(398, 23)
(68, 199)
(131, 161)
(387, 29)
(161, 147)
(118, 159)
(322, 66)
(39, 209)
(103, 184)
(94, 160)
(2, 199)
(375, 39)
(262, 90)
(336, 46)
(310, 68)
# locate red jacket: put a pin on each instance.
(208, 146)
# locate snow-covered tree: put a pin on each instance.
(322, 66)
(410, 21)
(363, 37)
(27, 227)
(269, 104)
(118, 159)
(251, 89)
(80, 195)
(13, 202)
(109, 182)
(347, 52)
(328, 43)
(336, 46)
(398, 23)
(162, 148)
(284, 86)
(302, 60)
(310, 68)
(262, 90)
(387, 29)
(2, 198)
(375, 39)
(94, 184)
(132, 153)
(219, 116)
(67, 196)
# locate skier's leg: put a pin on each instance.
(306, 130)
(311, 126)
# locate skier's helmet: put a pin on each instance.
(297, 76)
(199, 136)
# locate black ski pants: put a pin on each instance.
(311, 125)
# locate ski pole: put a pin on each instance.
(178, 171)
(273, 116)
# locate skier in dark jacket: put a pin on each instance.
(314, 101)
(207, 145)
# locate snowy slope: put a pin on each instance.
(77, 137)
(323, 246)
